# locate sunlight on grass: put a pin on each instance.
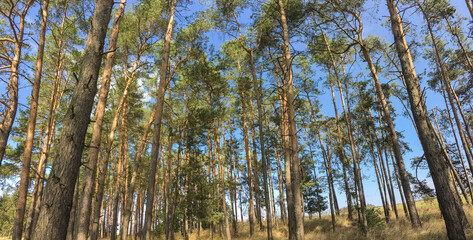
(433, 228)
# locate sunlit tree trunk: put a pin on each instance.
(228, 235)
(293, 142)
(458, 146)
(92, 157)
(414, 216)
(470, 7)
(8, 116)
(341, 151)
(59, 190)
(106, 157)
(26, 162)
(450, 163)
(163, 76)
(135, 174)
(450, 206)
(246, 141)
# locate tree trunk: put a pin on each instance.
(293, 144)
(246, 141)
(48, 136)
(103, 171)
(8, 117)
(157, 121)
(222, 182)
(90, 170)
(458, 147)
(282, 201)
(258, 96)
(131, 187)
(470, 7)
(59, 191)
(72, 223)
(450, 206)
(25, 168)
(450, 163)
(341, 151)
(285, 146)
(414, 216)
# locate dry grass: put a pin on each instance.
(433, 228)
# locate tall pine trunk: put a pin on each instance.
(450, 206)
(8, 116)
(59, 190)
(163, 82)
(293, 143)
(91, 168)
(26, 163)
(246, 141)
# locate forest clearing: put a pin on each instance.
(236, 119)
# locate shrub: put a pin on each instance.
(373, 218)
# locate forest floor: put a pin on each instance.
(433, 227)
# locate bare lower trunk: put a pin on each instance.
(246, 141)
(341, 151)
(131, 187)
(450, 206)
(59, 191)
(72, 223)
(228, 235)
(458, 149)
(293, 142)
(26, 163)
(91, 169)
(414, 216)
(157, 121)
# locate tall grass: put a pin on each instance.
(433, 227)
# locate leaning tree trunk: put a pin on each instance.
(25, 169)
(341, 152)
(131, 187)
(91, 168)
(157, 121)
(458, 147)
(8, 117)
(59, 190)
(103, 171)
(414, 216)
(450, 206)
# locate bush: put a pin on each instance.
(373, 218)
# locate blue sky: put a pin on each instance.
(373, 19)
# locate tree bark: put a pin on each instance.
(341, 152)
(91, 168)
(414, 216)
(450, 206)
(72, 223)
(25, 169)
(163, 82)
(449, 161)
(136, 171)
(106, 157)
(293, 144)
(470, 7)
(8, 117)
(246, 141)
(59, 191)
